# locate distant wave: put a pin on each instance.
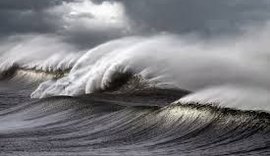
(28, 74)
(33, 54)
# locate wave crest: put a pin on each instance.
(164, 61)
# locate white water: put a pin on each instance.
(39, 52)
(239, 97)
(205, 67)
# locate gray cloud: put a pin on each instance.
(54, 17)
(203, 16)
(29, 4)
(176, 16)
(26, 16)
(29, 21)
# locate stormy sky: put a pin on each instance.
(87, 23)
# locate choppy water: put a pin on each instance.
(141, 122)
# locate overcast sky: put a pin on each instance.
(84, 22)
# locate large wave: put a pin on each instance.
(162, 61)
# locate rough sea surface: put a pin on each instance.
(139, 122)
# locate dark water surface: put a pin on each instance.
(135, 123)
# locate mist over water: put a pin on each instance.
(206, 67)
(171, 61)
(165, 61)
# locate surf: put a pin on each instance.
(163, 61)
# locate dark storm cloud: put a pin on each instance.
(30, 21)
(26, 16)
(203, 16)
(28, 4)
(176, 16)
(18, 17)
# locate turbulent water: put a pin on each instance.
(159, 95)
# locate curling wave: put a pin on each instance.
(163, 61)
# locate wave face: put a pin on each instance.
(105, 124)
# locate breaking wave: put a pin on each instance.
(163, 61)
(159, 95)
(42, 54)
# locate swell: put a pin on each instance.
(94, 125)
